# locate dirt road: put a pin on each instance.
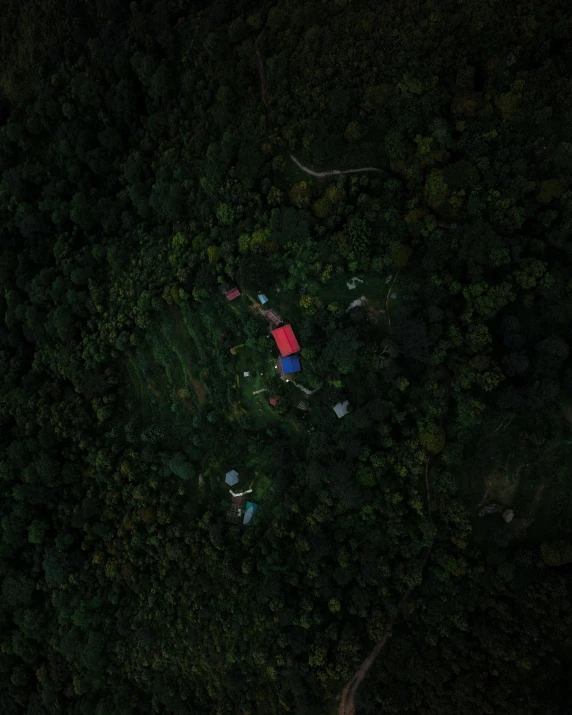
(331, 172)
(347, 704)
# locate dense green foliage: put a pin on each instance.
(140, 170)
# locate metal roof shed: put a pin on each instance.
(262, 298)
(286, 340)
(290, 364)
(341, 408)
(232, 294)
(231, 478)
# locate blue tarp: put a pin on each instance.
(250, 511)
(290, 364)
(262, 298)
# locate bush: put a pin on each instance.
(353, 132)
(300, 194)
(556, 553)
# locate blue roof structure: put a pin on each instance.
(262, 298)
(231, 478)
(290, 364)
(250, 511)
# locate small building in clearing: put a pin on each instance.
(341, 408)
(273, 401)
(290, 364)
(286, 340)
(250, 512)
(262, 298)
(231, 478)
(232, 294)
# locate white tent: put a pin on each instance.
(341, 408)
(231, 478)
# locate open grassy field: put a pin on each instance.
(533, 481)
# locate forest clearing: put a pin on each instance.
(285, 357)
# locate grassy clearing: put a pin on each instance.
(336, 290)
(538, 490)
(254, 469)
(161, 372)
(260, 368)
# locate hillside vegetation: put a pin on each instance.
(152, 152)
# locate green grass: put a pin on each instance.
(163, 372)
(173, 376)
(260, 367)
(262, 487)
(374, 288)
(535, 486)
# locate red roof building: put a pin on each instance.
(286, 340)
(273, 401)
(232, 294)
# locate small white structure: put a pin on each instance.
(352, 284)
(231, 478)
(241, 494)
(246, 374)
(508, 515)
(262, 298)
(356, 303)
(341, 408)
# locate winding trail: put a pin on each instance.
(347, 697)
(347, 704)
(331, 172)
(306, 169)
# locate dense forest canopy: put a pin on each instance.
(154, 155)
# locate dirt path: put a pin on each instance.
(331, 172)
(306, 169)
(347, 698)
(347, 704)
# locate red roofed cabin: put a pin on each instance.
(286, 340)
(232, 294)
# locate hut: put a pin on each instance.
(262, 298)
(232, 294)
